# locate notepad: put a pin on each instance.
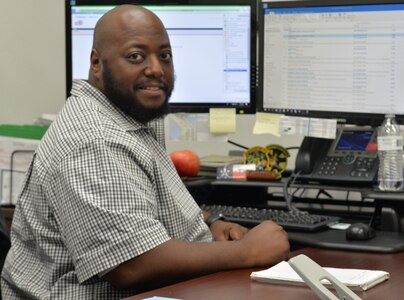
(355, 279)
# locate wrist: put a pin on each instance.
(215, 217)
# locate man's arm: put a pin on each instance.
(225, 231)
(173, 261)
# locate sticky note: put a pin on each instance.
(222, 120)
(267, 123)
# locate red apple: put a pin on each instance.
(186, 162)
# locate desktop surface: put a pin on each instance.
(383, 242)
(236, 284)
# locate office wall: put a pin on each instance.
(32, 73)
(242, 136)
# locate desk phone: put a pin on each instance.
(351, 157)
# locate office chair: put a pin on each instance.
(4, 240)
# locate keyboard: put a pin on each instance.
(289, 220)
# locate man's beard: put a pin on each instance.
(128, 104)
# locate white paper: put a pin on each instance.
(356, 279)
(321, 128)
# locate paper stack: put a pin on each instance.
(355, 279)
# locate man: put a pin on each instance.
(103, 213)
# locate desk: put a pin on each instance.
(237, 285)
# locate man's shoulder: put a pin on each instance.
(80, 123)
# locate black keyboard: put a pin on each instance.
(289, 220)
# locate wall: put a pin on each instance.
(32, 59)
(32, 73)
(243, 136)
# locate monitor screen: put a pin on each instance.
(340, 59)
(213, 42)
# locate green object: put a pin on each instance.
(34, 132)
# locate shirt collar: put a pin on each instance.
(81, 88)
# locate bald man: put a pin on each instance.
(103, 213)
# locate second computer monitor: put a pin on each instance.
(336, 59)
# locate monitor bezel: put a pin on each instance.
(371, 119)
(178, 107)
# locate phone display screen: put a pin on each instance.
(354, 140)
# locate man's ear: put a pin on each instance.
(95, 64)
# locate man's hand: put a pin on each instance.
(227, 231)
(266, 244)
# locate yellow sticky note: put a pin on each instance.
(267, 123)
(222, 120)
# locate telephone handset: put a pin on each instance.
(350, 158)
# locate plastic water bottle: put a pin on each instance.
(390, 152)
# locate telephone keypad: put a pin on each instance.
(359, 167)
(348, 159)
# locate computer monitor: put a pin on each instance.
(341, 59)
(214, 49)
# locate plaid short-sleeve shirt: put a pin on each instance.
(100, 190)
